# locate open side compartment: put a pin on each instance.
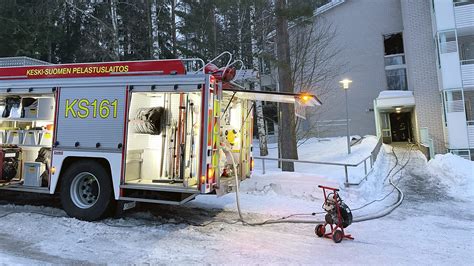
(163, 141)
(26, 138)
(164, 138)
(236, 141)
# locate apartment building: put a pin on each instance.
(453, 30)
(412, 67)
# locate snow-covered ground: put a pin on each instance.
(283, 193)
(432, 226)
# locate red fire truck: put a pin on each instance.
(144, 131)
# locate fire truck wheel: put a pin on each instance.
(337, 236)
(86, 191)
(320, 230)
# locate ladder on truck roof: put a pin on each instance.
(21, 61)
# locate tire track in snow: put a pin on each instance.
(22, 249)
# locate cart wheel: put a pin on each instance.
(337, 236)
(320, 230)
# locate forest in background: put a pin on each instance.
(67, 31)
(255, 31)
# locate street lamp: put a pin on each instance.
(345, 85)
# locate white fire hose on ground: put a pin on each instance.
(380, 214)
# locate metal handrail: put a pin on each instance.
(332, 123)
(372, 157)
(242, 66)
(217, 57)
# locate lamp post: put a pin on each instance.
(345, 85)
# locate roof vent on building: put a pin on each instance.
(21, 61)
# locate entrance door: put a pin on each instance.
(386, 131)
(401, 126)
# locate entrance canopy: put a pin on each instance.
(390, 100)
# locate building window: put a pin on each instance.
(397, 79)
(395, 65)
(393, 44)
(469, 105)
(394, 60)
(466, 49)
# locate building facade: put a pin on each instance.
(412, 67)
(453, 30)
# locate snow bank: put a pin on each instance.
(453, 171)
(274, 194)
(278, 193)
(375, 184)
(29, 238)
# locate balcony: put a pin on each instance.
(470, 133)
(466, 56)
(463, 11)
(448, 47)
(467, 73)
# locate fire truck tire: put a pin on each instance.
(86, 191)
(337, 236)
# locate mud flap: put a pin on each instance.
(122, 207)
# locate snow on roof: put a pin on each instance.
(394, 94)
(326, 7)
(330, 5)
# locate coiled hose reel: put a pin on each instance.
(338, 216)
(330, 207)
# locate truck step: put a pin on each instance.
(161, 197)
(168, 202)
(157, 187)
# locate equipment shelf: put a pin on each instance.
(32, 146)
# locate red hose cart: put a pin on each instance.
(338, 216)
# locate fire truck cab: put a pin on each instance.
(142, 131)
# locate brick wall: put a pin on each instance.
(420, 52)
